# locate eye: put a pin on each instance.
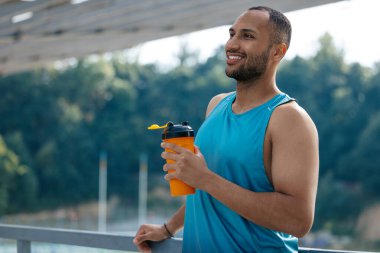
(249, 36)
(231, 34)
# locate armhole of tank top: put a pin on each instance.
(220, 103)
(272, 108)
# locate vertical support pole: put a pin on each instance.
(102, 212)
(143, 189)
(23, 246)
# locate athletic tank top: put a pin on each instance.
(232, 145)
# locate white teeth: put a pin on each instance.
(234, 57)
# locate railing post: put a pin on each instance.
(23, 246)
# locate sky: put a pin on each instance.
(352, 23)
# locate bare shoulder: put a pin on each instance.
(292, 120)
(215, 101)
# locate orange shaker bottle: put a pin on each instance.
(182, 135)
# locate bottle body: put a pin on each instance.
(177, 187)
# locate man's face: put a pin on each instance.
(248, 48)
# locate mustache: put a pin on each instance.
(233, 51)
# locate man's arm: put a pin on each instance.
(294, 169)
(175, 223)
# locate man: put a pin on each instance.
(256, 168)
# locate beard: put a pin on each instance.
(252, 70)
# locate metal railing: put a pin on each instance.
(25, 235)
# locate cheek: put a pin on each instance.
(249, 60)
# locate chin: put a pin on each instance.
(230, 71)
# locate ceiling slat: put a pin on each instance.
(15, 8)
(60, 13)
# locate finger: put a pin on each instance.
(169, 166)
(173, 147)
(144, 247)
(139, 239)
(170, 176)
(170, 156)
(140, 231)
(197, 151)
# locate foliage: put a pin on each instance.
(56, 122)
(11, 170)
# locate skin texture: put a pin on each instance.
(290, 156)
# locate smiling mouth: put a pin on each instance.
(233, 59)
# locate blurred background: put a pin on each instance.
(73, 133)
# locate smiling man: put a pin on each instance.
(256, 161)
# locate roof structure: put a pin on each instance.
(38, 32)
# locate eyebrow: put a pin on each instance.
(244, 30)
(248, 30)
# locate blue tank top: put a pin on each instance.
(232, 145)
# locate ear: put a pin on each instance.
(280, 51)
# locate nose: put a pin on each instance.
(232, 44)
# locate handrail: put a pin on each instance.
(25, 235)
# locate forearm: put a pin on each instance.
(175, 223)
(273, 210)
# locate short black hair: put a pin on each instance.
(282, 29)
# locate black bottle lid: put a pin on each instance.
(180, 130)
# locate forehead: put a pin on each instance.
(252, 19)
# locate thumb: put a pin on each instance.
(139, 239)
(197, 151)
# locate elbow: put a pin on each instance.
(303, 226)
(301, 232)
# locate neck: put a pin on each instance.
(252, 94)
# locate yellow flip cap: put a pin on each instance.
(155, 126)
